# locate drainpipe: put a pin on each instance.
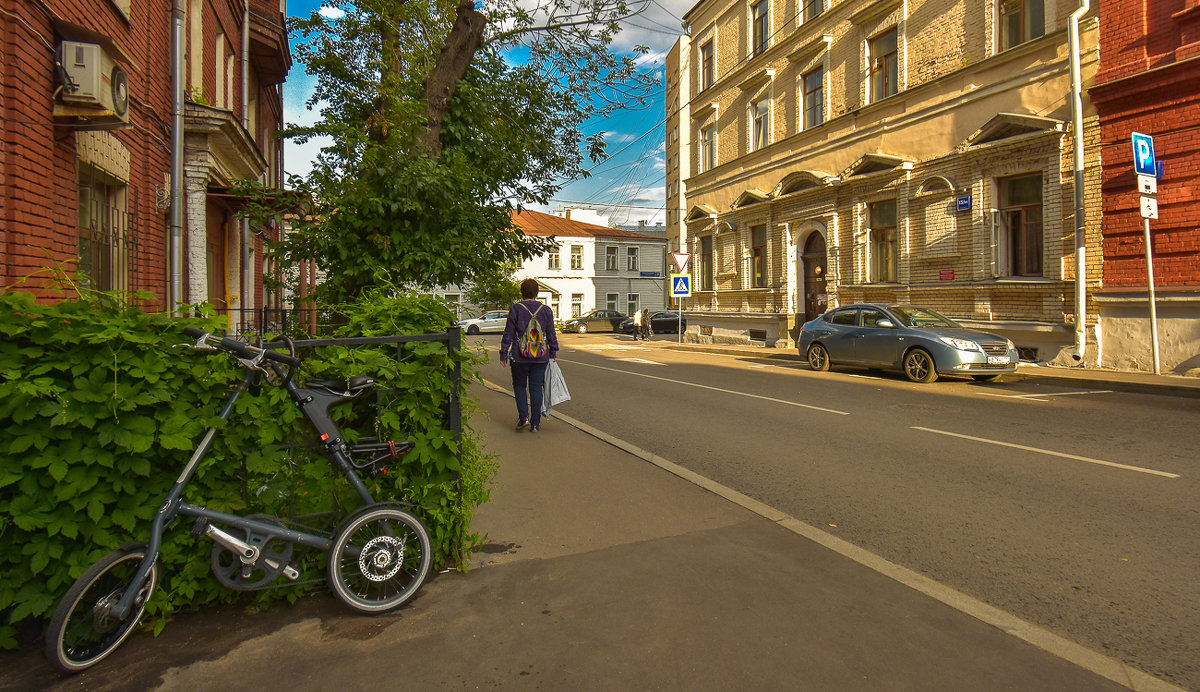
(246, 301)
(1080, 222)
(175, 237)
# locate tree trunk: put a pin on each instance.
(465, 38)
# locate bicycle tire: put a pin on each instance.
(80, 635)
(397, 558)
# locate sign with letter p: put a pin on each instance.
(1143, 154)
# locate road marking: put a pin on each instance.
(608, 347)
(640, 360)
(714, 389)
(1037, 397)
(1051, 453)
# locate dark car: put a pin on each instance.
(661, 322)
(594, 321)
(917, 341)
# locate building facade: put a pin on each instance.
(1149, 82)
(594, 266)
(907, 151)
(85, 157)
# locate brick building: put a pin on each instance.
(1149, 82)
(86, 149)
(915, 151)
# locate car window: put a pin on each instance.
(921, 317)
(843, 317)
(871, 317)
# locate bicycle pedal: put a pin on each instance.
(200, 528)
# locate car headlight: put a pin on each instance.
(1011, 345)
(960, 344)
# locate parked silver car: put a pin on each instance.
(490, 321)
(917, 341)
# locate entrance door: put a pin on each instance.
(815, 299)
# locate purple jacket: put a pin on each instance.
(518, 320)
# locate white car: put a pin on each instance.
(490, 321)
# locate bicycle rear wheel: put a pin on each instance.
(379, 559)
(83, 630)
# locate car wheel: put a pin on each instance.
(473, 329)
(581, 329)
(918, 366)
(984, 378)
(818, 358)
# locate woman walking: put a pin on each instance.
(530, 348)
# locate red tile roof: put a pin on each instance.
(537, 223)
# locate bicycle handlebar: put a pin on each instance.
(245, 350)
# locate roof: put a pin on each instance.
(541, 224)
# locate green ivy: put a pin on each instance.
(103, 409)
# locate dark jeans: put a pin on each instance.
(528, 380)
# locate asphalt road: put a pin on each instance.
(1074, 509)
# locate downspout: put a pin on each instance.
(1080, 221)
(175, 236)
(245, 278)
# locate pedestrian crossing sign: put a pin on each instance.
(681, 285)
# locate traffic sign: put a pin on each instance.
(681, 260)
(1143, 154)
(1149, 208)
(1147, 184)
(681, 285)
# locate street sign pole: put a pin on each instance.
(1150, 285)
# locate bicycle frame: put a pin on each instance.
(315, 404)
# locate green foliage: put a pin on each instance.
(494, 289)
(103, 412)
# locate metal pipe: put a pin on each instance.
(1080, 221)
(175, 237)
(245, 299)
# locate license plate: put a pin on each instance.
(997, 360)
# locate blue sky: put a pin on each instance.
(630, 185)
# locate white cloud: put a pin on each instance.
(331, 13)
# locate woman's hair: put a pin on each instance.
(529, 289)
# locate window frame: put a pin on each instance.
(807, 121)
(884, 80)
(554, 258)
(611, 300)
(760, 123)
(576, 304)
(760, 27)
(576, 257)
(883, 243)
(708, 65)
(1016, 237)
(758, 256)
(633, 302)
(705, 262)
(806, 13)
(610, 258)
(1032, 23)
(631, 259)
(708, 148)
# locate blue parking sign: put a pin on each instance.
(1143, 154)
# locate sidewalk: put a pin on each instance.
(602, 571)
(1117, 380)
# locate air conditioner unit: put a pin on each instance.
(94, 86)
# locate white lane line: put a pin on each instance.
(1051, 453)
(640, 360)
(1036, 397)
(704, 386)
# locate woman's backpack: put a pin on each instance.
(532, 344)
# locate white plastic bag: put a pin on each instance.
(554, 391)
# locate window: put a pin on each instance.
(554, 307)
(758, 256)
(1019, 246)
(882, 219)
(706, 263)
(812, 8)
(610, 301)
(633, 302)
(814, 98)
(455, 302)
(576, 304)
(631, 259)
(848, 316)
(885, 66)
(610, 258)
(554, 259)
(760, 27)
(708, 148)
(577, 257)
(707, 68)
(871, 317)
(760, 120)
(1021, 21)
(103, 230)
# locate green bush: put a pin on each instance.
(102, 411)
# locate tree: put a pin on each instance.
(494, 288)
(438, 134)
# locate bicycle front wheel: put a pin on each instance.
(379, 559)
(83, 629)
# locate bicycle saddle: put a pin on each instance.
(354, 386)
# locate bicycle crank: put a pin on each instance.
(246, 560)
